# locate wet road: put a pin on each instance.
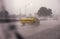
(28, 30)
(46, 30)
(52, 33)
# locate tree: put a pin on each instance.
(49, 12)
(4, 15)
(43, 11)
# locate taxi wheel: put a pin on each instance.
(23, 24)
(36, 23)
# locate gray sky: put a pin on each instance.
(32, 6)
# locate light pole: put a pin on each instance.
(25, 10)
(26, 7)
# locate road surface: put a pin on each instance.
(28, 30)
(47, 29)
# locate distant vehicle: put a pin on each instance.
(29, 20)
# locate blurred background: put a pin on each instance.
(44, 14)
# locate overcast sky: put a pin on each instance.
(32, 6)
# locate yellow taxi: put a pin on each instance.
(27, 20)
